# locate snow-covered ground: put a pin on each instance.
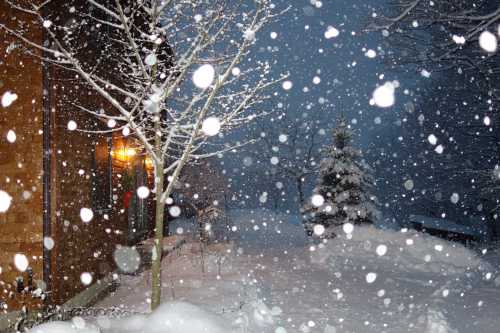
(370, 280)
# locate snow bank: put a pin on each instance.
(76, 326)
(182, 317)
(173, 317)
(407, 250)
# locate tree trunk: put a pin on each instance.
(157, 250)
(300, 190)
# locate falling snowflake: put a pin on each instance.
(127, 258)
(381, 250)
(318, 229)
(5, 201)
(287, 85)
(383, 96)
(488, 41)
(236, 71)
(487, 121)
(143, 192)
(211, 126)
(48, 243)
(150, 60)
(425, 73)
(111, 123)
(317, 200)
(72, 125)
(21, 262)
(86, 214)
(371, 277)
(204, 76)
(370, 54)
(408, 184)
(174, 211)
(459, 39)
(8, 98)
(348, 228)
(331, 32)
(432, 139)
(11, 136)
(263, 197)
(86, 278)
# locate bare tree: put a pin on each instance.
(457, 42)
(171, 73)
(444, 35)
(293, 147)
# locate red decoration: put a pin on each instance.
(126, 198)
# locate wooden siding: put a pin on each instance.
(20, 163)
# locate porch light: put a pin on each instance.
(123, 154)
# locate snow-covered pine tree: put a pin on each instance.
(343, 188)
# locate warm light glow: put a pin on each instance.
(149, 163)
(124, 154)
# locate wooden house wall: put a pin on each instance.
(80, 247)
(20, 163)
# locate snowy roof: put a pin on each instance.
(475, 229)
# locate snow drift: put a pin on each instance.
(406, 250)
(172, 317)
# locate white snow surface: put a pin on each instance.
(423, 284)
(64, 327)
(424, 253)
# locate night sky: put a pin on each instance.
(347, 76)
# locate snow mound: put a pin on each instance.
(182, 317)
(173, 317)
(407, 250)
(64, 327)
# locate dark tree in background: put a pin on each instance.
(293, 147)
(343, 189)
(449, 132)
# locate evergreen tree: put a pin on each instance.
(343, 189)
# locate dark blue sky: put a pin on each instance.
(347, 77)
